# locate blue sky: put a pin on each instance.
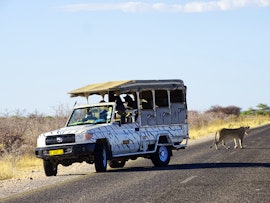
(219, 48)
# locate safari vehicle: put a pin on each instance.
(135, 118)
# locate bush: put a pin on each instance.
(199, 120)
(18, 134)
(229, 110)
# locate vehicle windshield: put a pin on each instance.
(91, 115)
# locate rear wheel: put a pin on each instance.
(161, 157)
(100, 158)
(50, 169)
(117, 163)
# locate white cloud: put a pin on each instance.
(190, 7)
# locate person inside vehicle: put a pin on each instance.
(121, 110)
(129, 102)
(103, 113)
(89, 116)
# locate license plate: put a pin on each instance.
(56, 152)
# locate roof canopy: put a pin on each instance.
(125, 86)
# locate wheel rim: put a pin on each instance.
(163, 154)
(104, 157)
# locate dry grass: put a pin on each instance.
(12, 167)
(28, 162)
(6, 170)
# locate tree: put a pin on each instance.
(263, 109)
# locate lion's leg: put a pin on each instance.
(217, 140)
(235, 143)
(241, 143)
(224, 145)
(216, 145)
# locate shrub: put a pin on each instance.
(18, 134)
(229, 110)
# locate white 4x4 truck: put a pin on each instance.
(135, 118)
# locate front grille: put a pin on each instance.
(60, 139)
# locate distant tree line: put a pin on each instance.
(262, 109)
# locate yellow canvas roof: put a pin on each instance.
(126, 86)
(98, 88)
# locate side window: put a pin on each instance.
(161, 98)
(146, 99)
(177, 96)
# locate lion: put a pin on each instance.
(236, 133)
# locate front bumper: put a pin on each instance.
(65, 152)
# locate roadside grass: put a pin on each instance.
(13, 166)
(6, 171)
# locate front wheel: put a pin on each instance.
(161, 157)
(100, 158)
(50, 169)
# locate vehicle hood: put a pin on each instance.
(80, 129)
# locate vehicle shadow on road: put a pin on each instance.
(73, 174)
(193, 166)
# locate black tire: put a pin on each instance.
(50, 169)
(117, 163)
(100, 158)
(161, 157)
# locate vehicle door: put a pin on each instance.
(127, 139)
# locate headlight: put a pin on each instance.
(80, 138)
(41, 141)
